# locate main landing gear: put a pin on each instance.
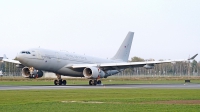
(94, 82)
(60, 81)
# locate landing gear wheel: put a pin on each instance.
(90, 82)
(99, 82)
(95, 82)
(64, 82)
(55, 82)
(60, 82)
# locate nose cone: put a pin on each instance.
(18, 57)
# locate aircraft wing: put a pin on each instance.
(10, 60)
(124, 65)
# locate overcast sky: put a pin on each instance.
(164, 29)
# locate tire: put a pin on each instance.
(99, 82)
(64, 82)
(60, 82)
(95, 82)
(90, 82)
(55, 82)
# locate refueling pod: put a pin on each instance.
(20, 66)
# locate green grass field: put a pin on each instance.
(105, 100)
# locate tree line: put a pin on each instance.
(188, 68)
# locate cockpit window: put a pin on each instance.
(25, 52)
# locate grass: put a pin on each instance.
(109, 100)
(75, 81)
(104, 99)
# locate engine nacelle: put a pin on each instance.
(93, 73)
(149, 66)
(35, 73)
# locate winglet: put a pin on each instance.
(4, 57)
(193, 57)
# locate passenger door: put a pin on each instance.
(39, 56)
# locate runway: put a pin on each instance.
(113, 86)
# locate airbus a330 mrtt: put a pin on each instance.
(34, 61)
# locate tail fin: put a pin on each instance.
(124, 50)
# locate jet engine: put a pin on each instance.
(149, 66)
(93, 73)
(27, 73)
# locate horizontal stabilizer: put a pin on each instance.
(5, 59)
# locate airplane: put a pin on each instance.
(34, 61)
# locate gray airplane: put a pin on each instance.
(34, 61)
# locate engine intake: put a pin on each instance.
(93, 73)
(35, 73)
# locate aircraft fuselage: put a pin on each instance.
(59, 62)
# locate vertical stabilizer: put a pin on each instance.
(124, 50)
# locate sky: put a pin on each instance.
(164, 29)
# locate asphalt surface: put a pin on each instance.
(114, 86)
